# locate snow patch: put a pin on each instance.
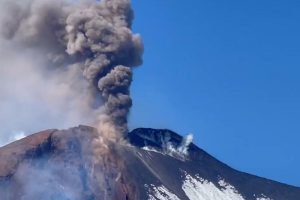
(160, 193)
(263, 197)
(198, 188)
(147, 148)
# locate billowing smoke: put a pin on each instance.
(86, 48)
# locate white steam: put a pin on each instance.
(171, 149)
(184, 147)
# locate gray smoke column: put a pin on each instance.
(93, 36)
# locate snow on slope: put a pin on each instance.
(197, 188)
(160, 193)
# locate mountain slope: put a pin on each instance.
(59, 165)
(200, 167)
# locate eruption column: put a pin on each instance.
(94, 36)
(100, 35)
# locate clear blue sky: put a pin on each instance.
(228, 72)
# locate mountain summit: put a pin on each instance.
(151, 165)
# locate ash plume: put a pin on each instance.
(91, 42)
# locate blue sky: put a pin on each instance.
(228, 72)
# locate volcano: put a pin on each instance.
(57, 165)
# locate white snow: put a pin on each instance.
(147, 148)
(263, 197)
(160, 193)
(197, 188)
(200, 189)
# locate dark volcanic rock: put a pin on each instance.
(60, 165)
(207, 167)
